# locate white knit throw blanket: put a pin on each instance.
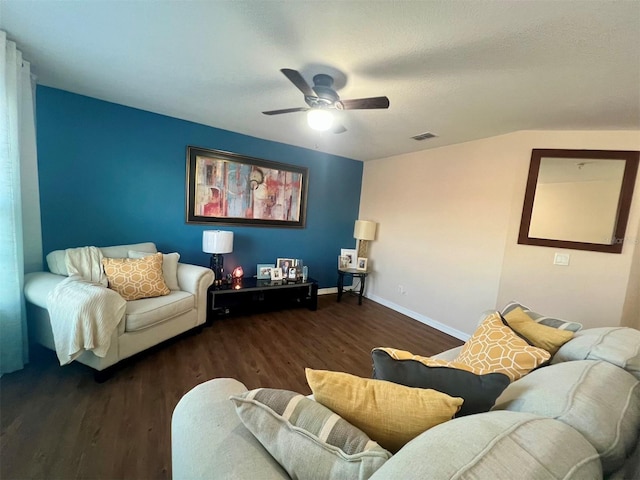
(83, 313)
(86, 262)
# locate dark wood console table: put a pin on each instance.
(250, 294)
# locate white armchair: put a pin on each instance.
(147, 321)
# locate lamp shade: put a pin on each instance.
(364, 230)
(217, 241)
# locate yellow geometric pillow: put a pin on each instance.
(549, 338)
(388, 413)
(494, 347)
(136, 278)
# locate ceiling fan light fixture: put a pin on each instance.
(320, 119)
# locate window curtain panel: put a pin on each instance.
(20, 230)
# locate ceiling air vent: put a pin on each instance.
(424, 136)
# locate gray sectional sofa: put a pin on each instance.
(577, 418)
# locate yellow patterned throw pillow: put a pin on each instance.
(388, 413)
(494, 347)
(136, 278)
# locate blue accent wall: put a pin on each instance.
(111, 175)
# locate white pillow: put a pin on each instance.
(169, 267)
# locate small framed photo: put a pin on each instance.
(293, 273)
(343, 262)
(352, 254)
(264, 271)
(362, 263)
(276, 274)
(284, 264)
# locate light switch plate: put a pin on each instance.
(561, 259)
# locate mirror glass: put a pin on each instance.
(578, 199)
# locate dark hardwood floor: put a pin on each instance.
(57, 423)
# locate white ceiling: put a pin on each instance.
(461, 69)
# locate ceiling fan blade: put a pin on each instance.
(339, 129)
(286, 110)
(295, 78)
(365, 103)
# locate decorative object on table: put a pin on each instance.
(364, 231)
(293, 273)
(305, 273)
(351, 254)
(362, 263)
(264, 271)
(284, 264)
(228, 188)
(299, 264)
(217, 242)
(238, 273)
(343, 262)
(276, 274)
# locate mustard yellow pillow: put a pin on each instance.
(136, 278)
(548, 338)
(388, 413)
(494, 347)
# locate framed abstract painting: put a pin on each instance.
(232, 189)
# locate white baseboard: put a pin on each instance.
(421, 318)
(327, 291)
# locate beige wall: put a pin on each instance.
(631, 309)
(447, 235)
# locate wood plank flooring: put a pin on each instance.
(57, 423)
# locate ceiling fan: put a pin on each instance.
(321, 98)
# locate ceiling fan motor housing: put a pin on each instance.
(326, 96)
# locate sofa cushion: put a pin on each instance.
(617, 345)
(478, 391)
(599, 400)
(169, 267)
(306, 438)
(495, 348)
(146, 312)
(136, 278)
(539, 335)
(497, 446)
(209, 441)
(390, 414)
(56, 258)
(543, 319)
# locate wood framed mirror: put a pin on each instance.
(578, 199)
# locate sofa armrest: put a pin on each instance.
(209, 441)
(196, 280)
(37, 286)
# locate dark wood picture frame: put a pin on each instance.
(231, 189)
(631, 159)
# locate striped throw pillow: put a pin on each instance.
(295, 429)
(542, 319)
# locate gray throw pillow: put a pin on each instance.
(306, 438)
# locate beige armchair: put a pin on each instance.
(147, 321)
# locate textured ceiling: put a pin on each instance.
(461, 69)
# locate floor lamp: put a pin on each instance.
(217, 242)
(364, 231)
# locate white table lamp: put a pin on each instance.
(217, 242)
